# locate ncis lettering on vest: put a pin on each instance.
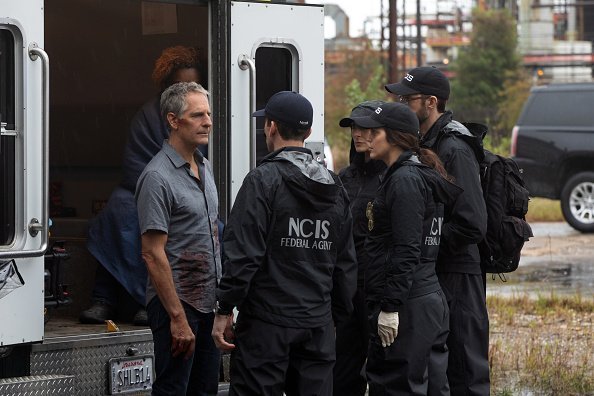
(304, 233)
(434, 232)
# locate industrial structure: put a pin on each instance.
(555, 36)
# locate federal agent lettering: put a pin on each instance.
(301, 232)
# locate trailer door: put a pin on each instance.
(23, 170)
(274, 47)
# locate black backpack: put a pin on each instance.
(506, 199)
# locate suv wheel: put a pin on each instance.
(577, 201)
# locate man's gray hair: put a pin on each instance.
(173, 99)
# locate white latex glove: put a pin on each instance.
(387, 327)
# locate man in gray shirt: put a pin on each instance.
(177, 210)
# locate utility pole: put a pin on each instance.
(405, 35)
(393, 55)
(384, 51)
(419, 38)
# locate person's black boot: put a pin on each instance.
(140, 318)
(98, 313)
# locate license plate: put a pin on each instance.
(131, 374)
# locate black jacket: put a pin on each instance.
(290, 258)
(361, 181)
(403, 243)
(465, 223)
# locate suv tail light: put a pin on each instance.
(514, 140)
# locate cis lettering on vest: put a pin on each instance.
(435, 232)
(307, 234)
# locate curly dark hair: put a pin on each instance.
(171, 60)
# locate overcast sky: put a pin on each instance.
(357, 11)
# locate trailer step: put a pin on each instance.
(87, 357)
(47, 384)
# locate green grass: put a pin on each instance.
(542, 209)
(563, 307)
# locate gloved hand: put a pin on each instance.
(387, 327)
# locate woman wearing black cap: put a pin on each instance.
(408, 312)
(361, 181)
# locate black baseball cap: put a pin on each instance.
(426, 80)
(361, 110)
(290, 108)
(395, 116)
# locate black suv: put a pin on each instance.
(553, 142)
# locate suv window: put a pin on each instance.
(558, 108)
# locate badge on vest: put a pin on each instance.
(369, 214)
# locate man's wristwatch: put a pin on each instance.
(223, 309)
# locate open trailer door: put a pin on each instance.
(274, 47)
(24, 86)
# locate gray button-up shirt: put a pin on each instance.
(172, 200)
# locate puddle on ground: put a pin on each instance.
(536, 276)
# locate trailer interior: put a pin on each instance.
(102, 54)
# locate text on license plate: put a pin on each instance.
(131, 373)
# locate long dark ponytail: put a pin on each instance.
(409, 142)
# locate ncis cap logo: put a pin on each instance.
(395, 116)
(290, 108)
(361, 110)
(426, 80)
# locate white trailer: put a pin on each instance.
(72, 75)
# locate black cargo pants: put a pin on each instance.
(352, 342)
(269, 359)
(468, 342)
(418, 353)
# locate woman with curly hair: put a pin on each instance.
(148, 129)
(114, 235)
(176, 64)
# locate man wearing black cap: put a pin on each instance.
(361, 180)
(426, 90)
(290, 265)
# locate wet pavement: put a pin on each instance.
(557, 260)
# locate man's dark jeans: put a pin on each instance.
(198, 375)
